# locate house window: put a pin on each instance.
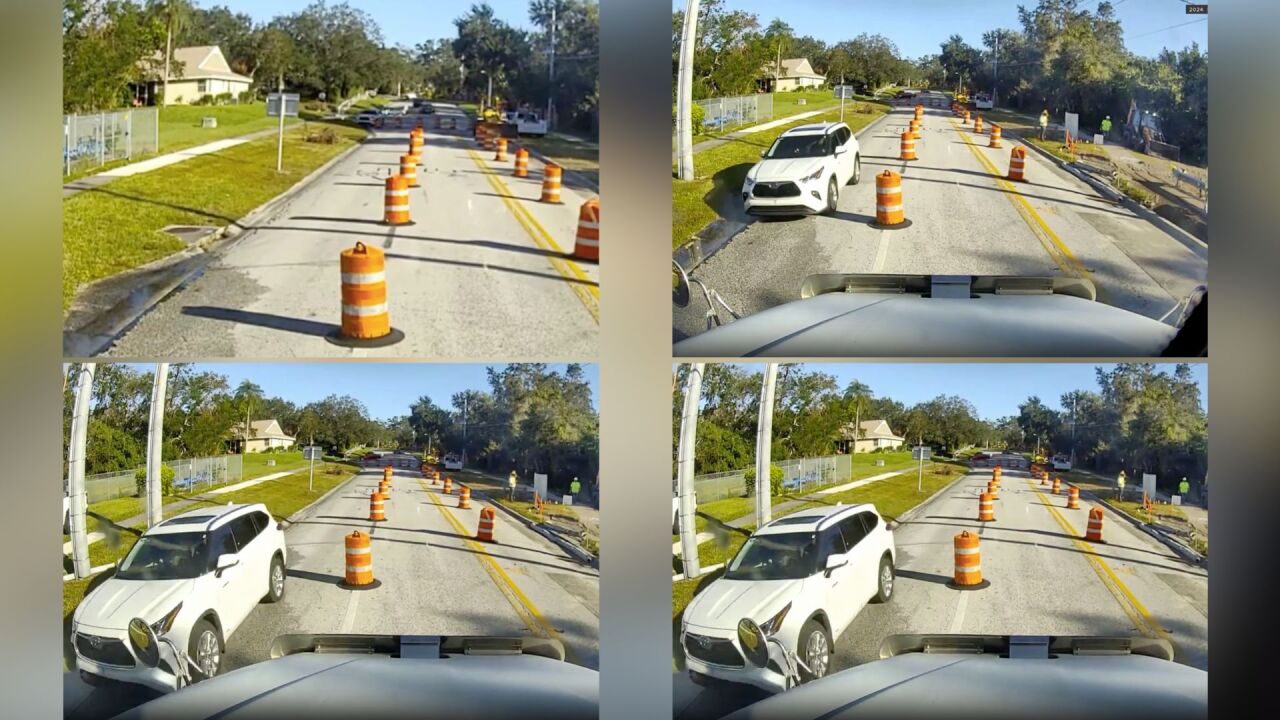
(202, 86)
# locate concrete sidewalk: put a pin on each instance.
(818, 495)
(90, 182)
(737, 134)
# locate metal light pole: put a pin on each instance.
(764, 439)
(75, 470)
(920, 476)
(684, 94)
(551, 67)
(684, 471)
(155, 446)
(280, 137)
(312, 477)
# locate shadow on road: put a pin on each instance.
(923, 576)
(499, 268)
(266, 320)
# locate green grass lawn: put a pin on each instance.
(582, 156)
(527, 510)
(116, 228)
(721, 170)
(892, 497)
(255, 464)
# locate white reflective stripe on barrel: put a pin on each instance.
(888, 208)
(894, 190)
(591, 242)
(968, 570)
(359, 551)
(364, 278)
(364, 309)
(588, 224)
(967, 551)
(359, 568)
(397, 193)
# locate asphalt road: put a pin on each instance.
(484, 271)
(435, 580)
(965, 220)
(1045, 580)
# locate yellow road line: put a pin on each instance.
(1038, 226)
(581, 285)
(524, 607)
(1129, 603)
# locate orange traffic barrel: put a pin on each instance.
(415, 145)
(551, 183)
(919, 110)
(914, 128)
(968, 567)
(889, 214)
(522, 163)
(386, 472)
(586, 244)
(977, 125)
(409, 169)
(359, 575)
(377, 506)
(396, 206)
(1017, 163)
(491, 139)
(448, 486)
(480, 131)
(501, 154)
(966, 117)
(908, 146)
(986, 509)
(1094, 533)
(485, 530)
(1057, 485)
(1073, 498)
(1044, 478)
(995, 136)
(464, 497)
(365, 320)
(995, 472)
(993, 490)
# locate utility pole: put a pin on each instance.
(551, 67)
(312, 477)
(920, 476)
(764, 440)
(995, 72)
(684, 471)
(280, 136)
(75, 470)
(155, 446)
(684, 94)
(465, 398)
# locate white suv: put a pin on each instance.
(803, 171)
(195, 577)
(804, 578)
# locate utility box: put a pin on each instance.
(208, 122)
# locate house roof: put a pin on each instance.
(261, 430)
(874, 429)
(200, 62)
(794, 68)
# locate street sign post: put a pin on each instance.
(843, 92)
(273, 110)
(921, 453)
(312, 453)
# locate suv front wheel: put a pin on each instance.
(814, 650)
(833, 195)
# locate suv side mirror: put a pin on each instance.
(227, 560)
(836, 560)
(841, 149)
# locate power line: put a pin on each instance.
(1153, 32)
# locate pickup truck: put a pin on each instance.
(983, 102)
(1060, 462)
(527, 123)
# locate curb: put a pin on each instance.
(197, 256)
(576, 552)
(906, 516)
(306, 511)
(728, 229)
(545, 160)
(1183, 551)
(1111, 194)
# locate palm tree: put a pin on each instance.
(176, 14)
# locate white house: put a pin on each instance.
(872, 435)
(194, 73)
(263, 435)
(794, 74)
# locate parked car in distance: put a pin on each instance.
(452, 462)
(982, 101)
(195, 577)
(1060, 462)
(368, 117)
(803, 577)
(803, 170)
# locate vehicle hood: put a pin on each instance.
(115, 602)
(868, 324)
(725, 602)
(785, 169)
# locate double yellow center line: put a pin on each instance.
(1129, 603)
(584, 287)
(1053, 245)
(523, 606)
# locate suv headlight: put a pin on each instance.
(771, 625)
(748, 183)
(164, 624)
(813, 176)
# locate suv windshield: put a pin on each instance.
(782, 556)
(799, 146)
(171, 556)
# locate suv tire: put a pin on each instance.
(275, 580)
(884, 581)
(814, 634)
(857, 170)
(833, 196)
(204, 633)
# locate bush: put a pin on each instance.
(166, 480)
(203, 100)
(324, 136)
(223, 98)
(246, 96)
(697, 117)
(775, 480)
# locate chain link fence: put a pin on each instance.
(190, 475)
(730, 113)
(799, 475)
(95, 139)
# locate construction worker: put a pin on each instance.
(511, 485)
(574, 487)
(1044, 122)
(1106, 126)
(1120, 484)
(1184, 488)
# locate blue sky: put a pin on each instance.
(995, 389)
(403, 22)
(386, 389)
(919, 27)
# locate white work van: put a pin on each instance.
(527, 123)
